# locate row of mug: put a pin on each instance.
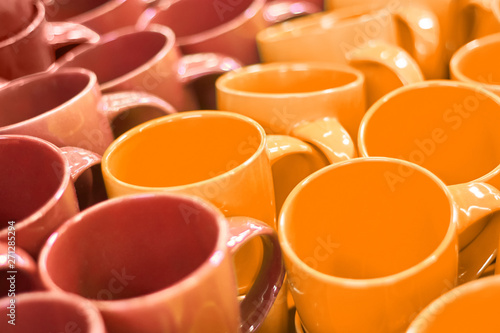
(375, 237)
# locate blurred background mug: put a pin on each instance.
(32, 49)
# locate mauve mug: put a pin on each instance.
(101, 16)
(162, 263)
(14, 16)
(68, 109)
(43, 312)
(149, 61)
(38, 193)
(32, 49)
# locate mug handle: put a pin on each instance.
(119, 109)
(424, 36)
(478, 227)
(195, 66)
(261, 296)
(61, 34)
(292, 160)
(487, 24)
(282, 10)
(394, 58)
(329, 136)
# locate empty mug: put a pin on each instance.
(359, 245)
(38, 192)
(162, 263)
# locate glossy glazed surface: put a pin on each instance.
(358, 245)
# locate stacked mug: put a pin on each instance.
(249, 166)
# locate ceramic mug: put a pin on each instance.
(471, 307)
(18, 270)
(148, 61)
(42, 312)
(222, 157)
(38, 192)
(453, 137)
(32, 49)
(359, 245)
(67, 109)
(183, 282)
(476, 63)
(101, 16)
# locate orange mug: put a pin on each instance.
(357, 245)
(476, 63)
(454, 137)
(472, 307)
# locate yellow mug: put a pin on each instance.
(357, 245)
(472, 307)
(362, 37)
(477, 62)
(222, 157)
(454, 137)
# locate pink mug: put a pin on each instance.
(67, 109)
(14, 16)
(38, 191)
(42, 312)
(18, 270)
(32, 49)
(101, 16)
(162, 263)
(149, 61)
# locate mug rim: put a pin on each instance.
(424, 84)
(187, 282)
(76, 303)
(465, 51)
(109, 37)
(19, 82)
(378, 281)
(35, 23)
(251, 11)
(451, 296)
(221, 83)
(61, 189)
(179, 117)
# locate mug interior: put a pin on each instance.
(33, 97)
(449, 129)
(480, 63)
(30, 174)
(183, 150)
(144, 244)
(202, 15)
(288, 80)
(58, 10)
(366, 219)
(119, 56)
